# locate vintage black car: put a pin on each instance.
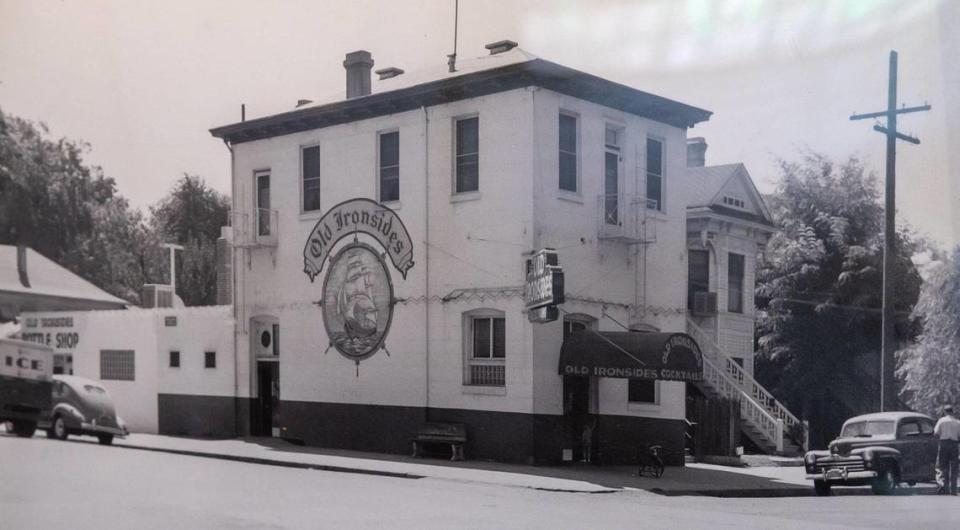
(82, 406)
(882, 450)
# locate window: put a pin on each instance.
(568, 152)
(908, 428)
(611, 177)
(733, 201)
(735, 283)
(654, 174)
(641, 391)
(263, 203)
(117, 365)
(468, 155)
(698, 274)
(174, 359)
(389, 166)
(9, 361)
(209, 359)
(485, 348)
(310, 169)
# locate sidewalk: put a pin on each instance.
(693, 479)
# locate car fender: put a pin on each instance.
(71, 415)
(887, 454)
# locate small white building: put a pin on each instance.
(438, 187)
(169, 370)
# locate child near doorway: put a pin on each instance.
(586, 439)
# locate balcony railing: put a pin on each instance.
(623, 218)
(258, 229)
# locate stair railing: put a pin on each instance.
(755, 413)
(747, 383)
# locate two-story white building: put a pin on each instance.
(380, 251)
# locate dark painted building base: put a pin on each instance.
(206, 416)
(501, 436)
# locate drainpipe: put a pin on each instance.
(426, 264)
(233, 291)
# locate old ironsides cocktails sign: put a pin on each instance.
(358, 299)
(351, 217)
(543, 290)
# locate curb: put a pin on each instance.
(271, 462)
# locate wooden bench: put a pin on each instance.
(454, 434)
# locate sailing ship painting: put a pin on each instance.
(357, 295)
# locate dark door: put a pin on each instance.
(268, 397)
(576, 413)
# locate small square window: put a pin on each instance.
(210, 359)
(174, 359)
(641, 391)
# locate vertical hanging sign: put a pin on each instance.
(543, 290)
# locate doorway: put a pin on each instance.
(579, 421)
(267, 405)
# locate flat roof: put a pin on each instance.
(474, 78)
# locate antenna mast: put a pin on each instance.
(452, 58)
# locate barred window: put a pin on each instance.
(485, 345)
(117, 365)
(209, 359)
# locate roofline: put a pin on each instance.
(535, 72)
(119, 304)
(716, 211)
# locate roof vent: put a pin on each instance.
(358, 65)
(500, 46)
(387, 73)
(302, 102)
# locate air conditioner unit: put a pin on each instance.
(156, 295)
(704, 303)
(266, 339)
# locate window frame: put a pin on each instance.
(303, 179)
(113, 376)
(691, 291)
(207, 356)
(257, 215)
(173, 355)
(456, 154)
(576, 152)
(612, 203)
(381, 167)
(470, 358)
(661, 201)
(740, 306)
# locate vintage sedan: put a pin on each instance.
(881, 449)
(82, 406)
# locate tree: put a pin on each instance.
(930, 368)
(819, 292)
(53, 202)
(191, 215)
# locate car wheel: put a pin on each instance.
(24, 429)
(822, 487)
(59, 428)
(885, 482)
(105, 439)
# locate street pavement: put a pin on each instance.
(79, 484)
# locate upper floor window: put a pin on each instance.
(485, 348)
(611, 176)
(310, 167)
(654, 174)
(733, 201)
(735, 283)
(568, 152)
(698, 275)
(263, 202)
(389, 161)
(467, 155)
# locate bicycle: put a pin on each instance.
(651, 461)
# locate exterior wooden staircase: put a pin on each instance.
(765, 421)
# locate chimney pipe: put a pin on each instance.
(696, 152)
(358, 65)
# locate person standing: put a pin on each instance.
(947, 432)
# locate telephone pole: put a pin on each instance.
(888, 339)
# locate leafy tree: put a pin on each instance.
(191, 215)
(930, 368)
(819, 292)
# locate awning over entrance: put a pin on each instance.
(632, 354)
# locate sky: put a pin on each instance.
(143, 82)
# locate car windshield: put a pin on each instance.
(867, 428)
(94, 389)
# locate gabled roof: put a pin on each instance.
(473, 78)
(46, 286)
(710, 184)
